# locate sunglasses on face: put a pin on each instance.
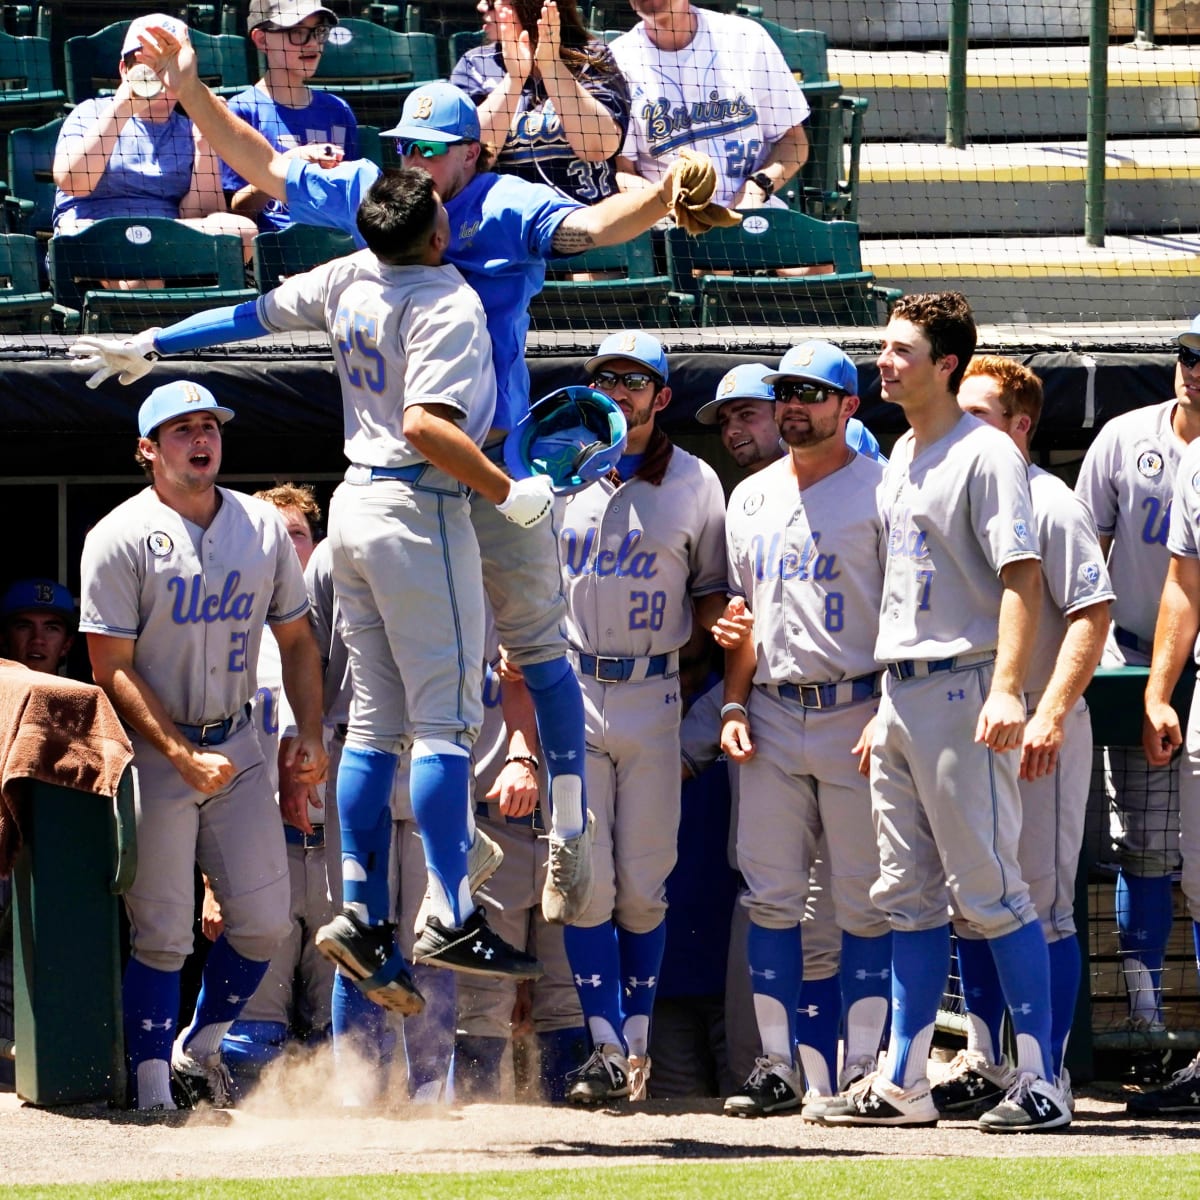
(1188, 358)
(631, 381)
(793, 391)
(407, 146)
(301, 35)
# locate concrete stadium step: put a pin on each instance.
(1026, 188)
(1043, 280)
(1019, 93)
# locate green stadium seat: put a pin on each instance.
(92, 61)
(373, 69)
(30, 203)
(827, 185)
(297, 248)
(24, 306)
(806, 51)
(735, 272)
(200, 270)
(27, 88)
(634, 296)
(443, 19)
(463, 41)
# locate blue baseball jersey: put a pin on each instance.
(325, 119)
(501, 234)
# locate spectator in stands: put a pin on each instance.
(290, 35)
(135, 154)
(37, 622)
(553, 104)
(717, 83)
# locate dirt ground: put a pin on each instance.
(294, 1131)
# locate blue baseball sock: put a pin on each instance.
(1144, 917)
(818, 1018)
(359, 1040)
(429, 1037)
(440, 787)
(151, 1000)
(596, 964)
(866, 979)
(1065, 968)
(775, 957)
(641, 957)
(364, 794)
(982, 995)
(1024, 969)
(250, 1046)
(228, 981)
(558, 706)
(920, 968)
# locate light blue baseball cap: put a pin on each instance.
(36, 595)
(747, 382)
(818, 362)
(437, 112)
(634, 345)
(177, 400)
(1191, 336)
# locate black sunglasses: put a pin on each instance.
(632, 381)
(796, 391)
(301, 35)
(1188, 358)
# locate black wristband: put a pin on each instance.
(765, 182)
(530, 760)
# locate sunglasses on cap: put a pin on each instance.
(1188, 358)
(301, 35)
(407, 146)
(796, 391)
(631, 381)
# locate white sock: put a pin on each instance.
(816, 1071)
(637, 1035)
(773, 1027)
(916, 1066)
(154, 1084)
(1143, 995)
(1029, 1056)
(979, 1038)
(603, 1034)
(205, 1042)
(864, 1028)
(566, 806)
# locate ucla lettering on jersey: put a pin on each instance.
(627, 562)
(1158, 521)
(905, 540)
(491, 686)
(191, 606)
(771, 562)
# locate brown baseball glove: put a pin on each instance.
(693, 181)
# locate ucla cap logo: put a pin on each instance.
(802, 356)
(727, 384)
(629, 342)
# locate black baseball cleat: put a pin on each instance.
(972, 1083)
(773, 1087)
(474, 948)
(199, 1080)
(1031, 1105)
(1180, 1098)
(602, 1079)
(368, 955)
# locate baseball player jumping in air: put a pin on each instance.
(805, 550)
(1126, 481)
(502, 231)
(642, 559)
(1056, 753)
(1175, 638)
(178, 584)
(961, 591)
(413, 362)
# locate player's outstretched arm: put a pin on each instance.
(1078, 658)
(1174, 636)
(300, 658)
(735, 718)
(132, 357)
(516, 787)
(1002, 718)
(112, 667)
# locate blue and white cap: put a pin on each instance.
(437, 112)
(634, 345)
(818, 362)
(747, 382)
(36, 595)
(1191, 336)
(178, 399)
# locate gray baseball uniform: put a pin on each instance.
(195, 602)
(633, 557)
(953, 516)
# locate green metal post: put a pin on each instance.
(956, 79)
(1097, 125)
(1143, 25)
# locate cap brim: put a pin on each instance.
(222, 414)
(1190, 340)
(706, 414)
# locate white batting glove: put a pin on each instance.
(529, 501)
(127, 358)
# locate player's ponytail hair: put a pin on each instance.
(398, 216)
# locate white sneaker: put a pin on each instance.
(1064, 1086)
(1031, 1105)
(875, 1100)
(569, 879)
(639, 1077)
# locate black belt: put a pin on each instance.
(829, 695)
(622, 670)
(213, 733)
(309, 841)
(1131, 641)
(920, 667)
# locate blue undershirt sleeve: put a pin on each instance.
(232, 323)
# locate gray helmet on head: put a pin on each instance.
(574, 436)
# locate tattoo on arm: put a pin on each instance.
(569, 239)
